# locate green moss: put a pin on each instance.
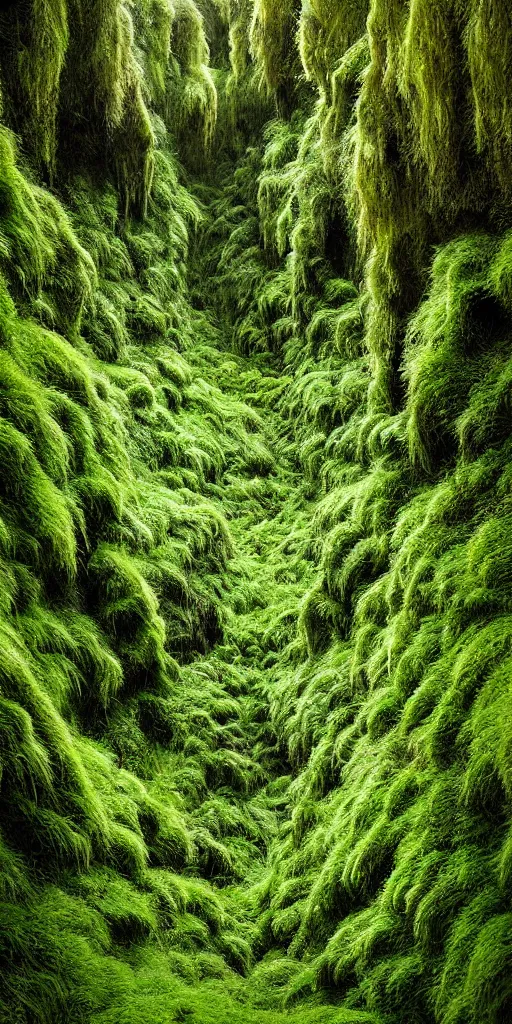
(255, 615)
(272, 30)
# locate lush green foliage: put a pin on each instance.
(255, 514)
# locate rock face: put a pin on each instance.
(255, 512)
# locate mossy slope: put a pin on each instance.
(254, 512)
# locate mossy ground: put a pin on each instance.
(255, 517)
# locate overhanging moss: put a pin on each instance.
(255, 560)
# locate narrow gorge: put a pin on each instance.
(256, 512)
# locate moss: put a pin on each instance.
(255, 564)
(191, 94)
(37, 42)
(273, 27)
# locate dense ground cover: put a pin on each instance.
(255, 513)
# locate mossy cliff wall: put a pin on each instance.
(255, 512)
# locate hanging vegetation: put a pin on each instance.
(255, 514)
